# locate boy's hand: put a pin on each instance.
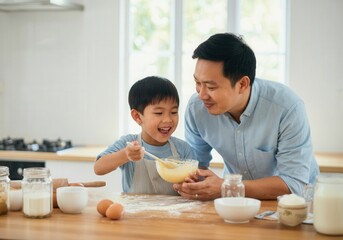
(134, 151)
(192, 178)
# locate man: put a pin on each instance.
(259, 127)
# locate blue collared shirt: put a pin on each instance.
(273, 138)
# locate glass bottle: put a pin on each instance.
(328, 204)
(233, 186)
(37, 192)
(4, 190)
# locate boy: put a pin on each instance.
(154, 104)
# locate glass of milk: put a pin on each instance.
(328, 204)
(37, 193)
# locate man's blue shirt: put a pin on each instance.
(273, 138)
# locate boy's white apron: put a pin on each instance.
(146, 179)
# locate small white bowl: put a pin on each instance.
(237, 209)
(72, 199)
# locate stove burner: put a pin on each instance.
(54, 146)
(18, 144)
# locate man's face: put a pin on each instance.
(215, 89)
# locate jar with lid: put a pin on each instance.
(328, 204)
(233, 186)
(37, 192)
(4, 190)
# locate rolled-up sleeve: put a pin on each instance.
(294, 154)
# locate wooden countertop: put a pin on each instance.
(328, 162)
(151, 217)
(83, 154)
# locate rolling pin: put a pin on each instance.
(62, 182)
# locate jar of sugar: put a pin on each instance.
(292, 209)
(328, 204)
(4, 190)
(37, 192)
(233, 186)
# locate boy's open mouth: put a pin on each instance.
(164, 130)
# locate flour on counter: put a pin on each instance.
(173, 205)
(157, 205)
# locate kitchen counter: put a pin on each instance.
(82, 154)
(328, 162)
(150, 217)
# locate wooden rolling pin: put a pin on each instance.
(62, 182)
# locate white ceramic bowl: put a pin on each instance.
(179, 173)
(237, 209)
(72, 199)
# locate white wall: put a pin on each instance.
(2, 67)
(60, 76)
(59, 72)
(316, 64)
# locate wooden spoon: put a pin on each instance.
(166, 163)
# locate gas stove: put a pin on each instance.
(19, 144)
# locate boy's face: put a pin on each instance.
(159, 121)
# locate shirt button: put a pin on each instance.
(238, 131)
(240, 154)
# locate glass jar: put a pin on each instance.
(328, 204)
(37, 193)
(4, 190)
(233, 186)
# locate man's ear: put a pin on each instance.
(136, 116)
(244, 84)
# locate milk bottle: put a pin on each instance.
(328, 204)
(37, 193)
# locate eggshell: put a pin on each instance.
(115, 211)
(103, 206)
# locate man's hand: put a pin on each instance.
(207, 189)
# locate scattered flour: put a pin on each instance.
(174, 205)
(157, 205)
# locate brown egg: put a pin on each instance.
(103, 206)
(115, 211)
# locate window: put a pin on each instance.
(159, 37)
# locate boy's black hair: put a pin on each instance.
(151, 90)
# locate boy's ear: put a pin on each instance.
(136, 116)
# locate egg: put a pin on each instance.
(103, 206)
(115, 211)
